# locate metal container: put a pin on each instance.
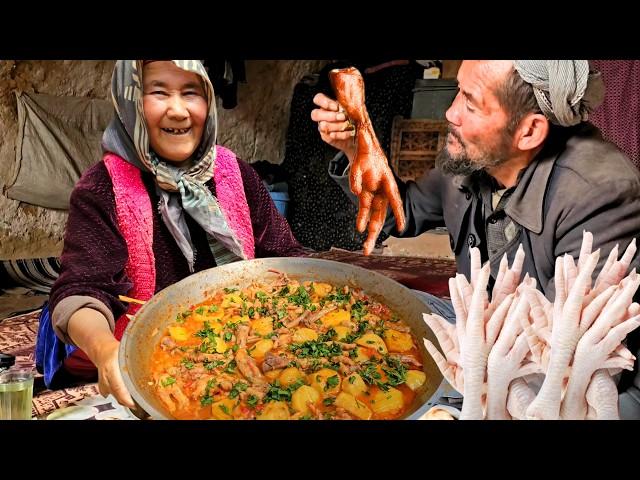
(432, 98)
(144, 333)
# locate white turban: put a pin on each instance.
(566, 90)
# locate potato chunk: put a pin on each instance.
(398, 341)
(415, 379)
(352, 405)
(371, 340)
(390, 401)
(289, 376)
(335, 318)
(262, 326)
(305, 335)
(302, 397)
(223, 409)
(321, 289)
(231, 299)
(342, 332)
(179, 334)
(354, 385)
(326, 381)
(260, 349)
(274, 411)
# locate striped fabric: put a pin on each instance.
(566, 90)
(38, 274)
(221, 254)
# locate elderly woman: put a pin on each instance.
(164, 202)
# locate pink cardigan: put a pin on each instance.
(133, 209)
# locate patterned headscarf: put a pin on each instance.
(566, 90)
(181, 190)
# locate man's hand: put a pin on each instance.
(345, 124)
(333, 125)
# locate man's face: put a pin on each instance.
(477, 137)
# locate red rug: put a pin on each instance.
(424, 274)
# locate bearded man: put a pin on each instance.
(521, 165)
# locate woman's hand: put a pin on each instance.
(90, 331)
(109, 376)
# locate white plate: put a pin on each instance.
(74, 413)
(454, 412)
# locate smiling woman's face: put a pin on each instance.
(175, 109)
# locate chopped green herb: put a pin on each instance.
(263, 297)
(168, 381)
(380, 328)
(208, 345)
(278, 393)
(212, 364)
(231, 367)
(315, 349)
(358, 311)
(332, 382)
(339, 297)
(188, 364)
(285, 291)
(301, 298)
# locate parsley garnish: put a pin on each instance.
(168, 381)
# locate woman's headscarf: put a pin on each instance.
(181, 190)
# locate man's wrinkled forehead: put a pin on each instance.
(479, 80)
(486, 71)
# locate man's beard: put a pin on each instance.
(462, 164)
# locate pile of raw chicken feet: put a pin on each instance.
(519, 356)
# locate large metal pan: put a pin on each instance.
(143, 333)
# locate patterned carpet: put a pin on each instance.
(18, 334)
(424, 274)
(18, 337)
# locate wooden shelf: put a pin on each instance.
(415, 143)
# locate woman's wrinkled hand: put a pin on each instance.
(109, 375)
